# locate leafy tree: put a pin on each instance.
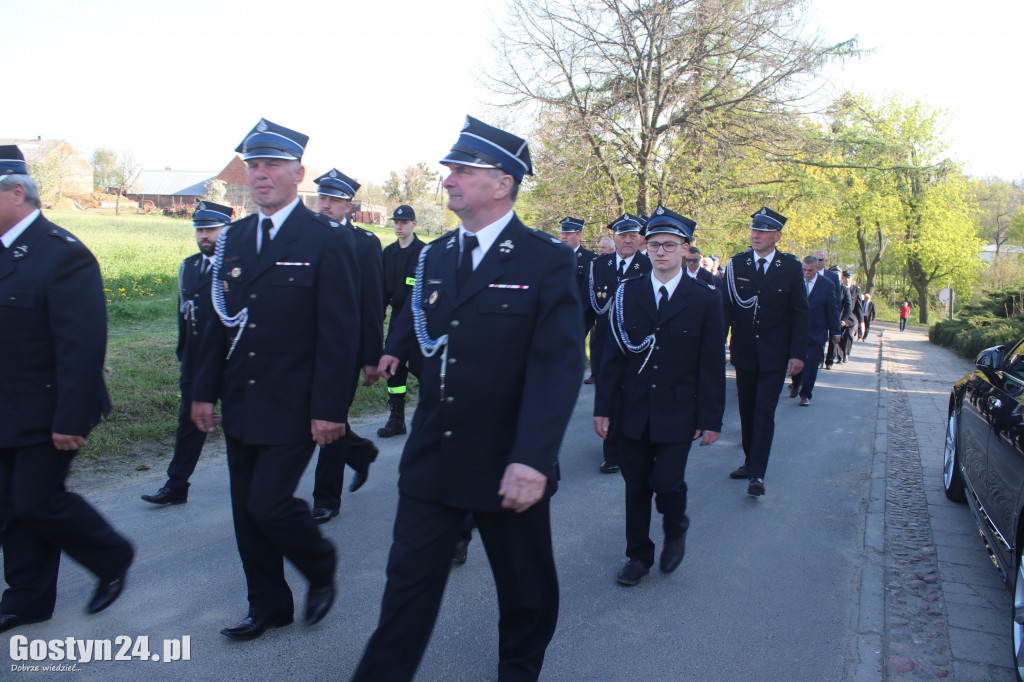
(126, 173)
(414, 183)
(104, 168)
(999, 201)
(216, 191)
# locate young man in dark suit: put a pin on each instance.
(194, 309)
(766, 307)
(491, 289)
(54, 321)
(664, 375)
(280, 354)
(823, 323)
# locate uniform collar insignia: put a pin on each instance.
(507, 246)
(451, 242)
(636, 265)
(750, 261)
(20, 252)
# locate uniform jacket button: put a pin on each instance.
(252, 354)
(454, 323)
(449, 399)
(252, 325)
(252, 295)
(451, 361)
(252, 382)
(447, 434)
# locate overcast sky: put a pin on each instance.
(381, 85)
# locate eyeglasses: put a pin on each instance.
(821, 260)
(667, 247)
(693, 260)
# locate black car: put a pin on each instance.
(983, 465)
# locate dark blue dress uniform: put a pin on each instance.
(662, 393)
(583, 258)
(293, 362)
(768, 316)
(54, 321)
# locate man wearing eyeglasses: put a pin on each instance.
(668, 350)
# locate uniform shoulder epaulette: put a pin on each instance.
(63, 235)
(324, 220)
(633, 276)
(443, 239)
(788, 255)
(544, 237)
(706, 285)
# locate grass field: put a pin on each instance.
(139, 256)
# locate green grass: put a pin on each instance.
(139, 256)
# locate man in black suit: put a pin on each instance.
(194, 308)
(766, 307)
(491, 289)
(52, 346)
(693, 266)
(849, 317)
(867, 314)
(334, 199)
(571, 236)
(280, 354)
(823, 322)
(605, 274)
(665, 378)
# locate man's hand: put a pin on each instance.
(370, 375)
(325, 432)
(835, 339)
(62, 441)
(204, 417)
(601, 426)
(795, 367)
(709, 436)
(387, 367)
(522, 486)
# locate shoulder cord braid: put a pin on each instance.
(187, 307)
(622, 338)
(593, 300)
(428, 346)
(730, 283)
(217, 295)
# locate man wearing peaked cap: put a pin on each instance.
(279, 353)
(400, 258)
(52, 394)
(766, 307)
(663, 375)
(194, 309)
(486, 433)
(604, 277)
(571, 235)
(335, 191)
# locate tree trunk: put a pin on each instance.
(922, 305)
(117, 202)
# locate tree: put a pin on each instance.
(126, 173)
(414, 183)
(50, 174)
(999, 202)
(104, 168)
(216, 191)
(653, 87)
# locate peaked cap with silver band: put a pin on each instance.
(570, 224)
(12, 161)
(767, 220)
(624, 223)
(334, 183)
(270, 141)
(209, 214)
(484, 146)
(665, 221)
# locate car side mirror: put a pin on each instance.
(991, 359)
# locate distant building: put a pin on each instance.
(169, 189)
(988, 254)
(74, 172)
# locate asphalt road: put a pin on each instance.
(768, 589)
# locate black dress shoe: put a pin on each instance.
(107, 593)
(672, 554)
(632, 572)
(741, 472)
(362, 473)
(590, 380)
(13, 620)
(323, 515)
(167, 496)
(461, 551)
(756, 487)
(251, 628)
(607, 468)
(318, 603)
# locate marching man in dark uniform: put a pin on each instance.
(194, 308)
(664, 376)
(400, 258)
(766, 307)
(334, 199)
(605, 274)
(280, 354)
(54, 321)
(491, 289)
(571, 235)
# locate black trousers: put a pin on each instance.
(658, 470)
(597, 341)
(38, 520)
(188, 443)
(519, 550)
(412, 365)
(329, 477)
(805, 379)
(271, 524)
(758, 394)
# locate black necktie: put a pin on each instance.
(664, 296)
(207, 264)
(267, 225)
(469, 242)
(761, 267)
(622, 268)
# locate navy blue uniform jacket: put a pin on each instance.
(370, 280)
(765, 337)
(195, 287)
(606, 277)
(53, 337)
(821, 311)
(297, 355)
(682, 386)
(515, 357)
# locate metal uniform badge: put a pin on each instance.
(433, 297)
(20, 252)
(236, 272)
(261, 126)
(201, 206)
(507, 246)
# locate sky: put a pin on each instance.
(379, 86)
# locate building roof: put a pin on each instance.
(34, 150)
(173, 183)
